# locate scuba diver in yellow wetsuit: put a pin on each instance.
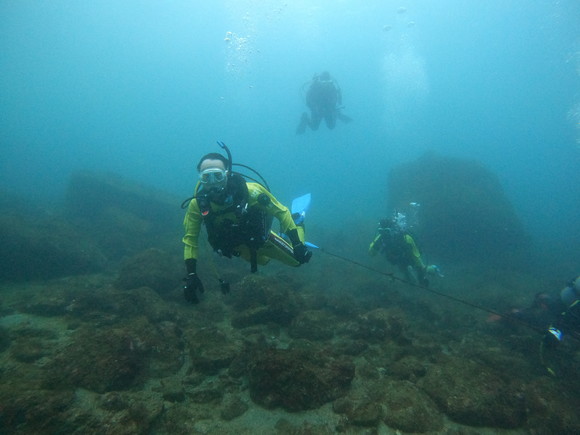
(238, 216)
(565, 324)
(395, 243)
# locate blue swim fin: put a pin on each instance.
(301, 204)
(299, 208)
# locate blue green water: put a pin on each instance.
(144, 88)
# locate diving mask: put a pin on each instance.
(213, 176)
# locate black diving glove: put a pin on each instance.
(552, 338)
(192, 285)
(301, 253)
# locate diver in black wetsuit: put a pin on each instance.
(324, 99)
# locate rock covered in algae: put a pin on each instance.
(471, 393)
(409, 409)
(262, 300)
(296, 380)
(313, 325)
(233, 406)
(36, 411)
(211, 350)
(359, 409)
(112, 358)
(151, 268)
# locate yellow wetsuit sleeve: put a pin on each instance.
(414, 250)
(274, 208)
(192, 225)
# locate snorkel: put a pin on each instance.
(231, 164)
(224, 147)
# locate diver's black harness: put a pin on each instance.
(393, 245)
(249, 226)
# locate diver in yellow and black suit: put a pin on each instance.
(238, 216)
(395, 243)
(566, 324)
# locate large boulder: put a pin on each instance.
(298, 380)
(409, 409)
(463, 214)
(105, 219)
(121, 216)
(42, 246)
(313, 325)
(151, 268)
(473, 394)
(264, 300)
(211, 350)
(114, 358)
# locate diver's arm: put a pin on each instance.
(273, 208)
(192, 224)
(373, 248)
(415, 251)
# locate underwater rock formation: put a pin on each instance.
(287, 351)
(464, 213)
(377, 326)
(261, 300)
(313, 325)
(211, 350)
(297, 380)
(151, 268)
(105, 219)
(112, 358)
(409, 409)
(473, 394)
(39, 245)
(400, 404)
(4, 339)
(122, 217)
(36, 411)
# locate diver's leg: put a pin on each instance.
(275, 248)
(301, 232)
(330, 119)
(304, 121)
(315, 121)
(247, 255)
(278, 249)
